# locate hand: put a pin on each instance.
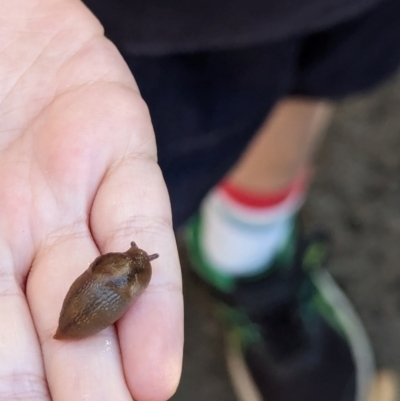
(78, 176)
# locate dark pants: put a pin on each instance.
(206, 106)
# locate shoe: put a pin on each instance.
(290, 334)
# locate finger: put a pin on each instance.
(132, 205)
(21, 368)
(88, 369)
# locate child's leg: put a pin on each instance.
(283, 146)
(249, 217)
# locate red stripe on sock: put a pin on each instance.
(264, 200)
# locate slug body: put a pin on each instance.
(103, 293)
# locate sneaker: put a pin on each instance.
(290, 334)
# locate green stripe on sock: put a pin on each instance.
(221, 281)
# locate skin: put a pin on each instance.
(78, 178)
(104, 292)
(283, 147)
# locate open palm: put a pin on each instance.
(78, 176)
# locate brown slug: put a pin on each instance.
(103, 293)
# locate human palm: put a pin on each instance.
(78, 176)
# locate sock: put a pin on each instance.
(242, 232)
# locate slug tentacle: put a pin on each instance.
(104, 292)
(154, 256)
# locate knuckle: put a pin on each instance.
(9, 286)
(139, 225)
(23, 386)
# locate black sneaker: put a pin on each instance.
(291, 334)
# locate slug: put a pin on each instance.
(104, 292)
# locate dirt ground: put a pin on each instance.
(356, 196)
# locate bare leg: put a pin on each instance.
(269, 167)
(284, 145)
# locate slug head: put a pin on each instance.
(130, 270)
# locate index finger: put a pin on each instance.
(132, 205)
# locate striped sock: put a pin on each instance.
(242, 232)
